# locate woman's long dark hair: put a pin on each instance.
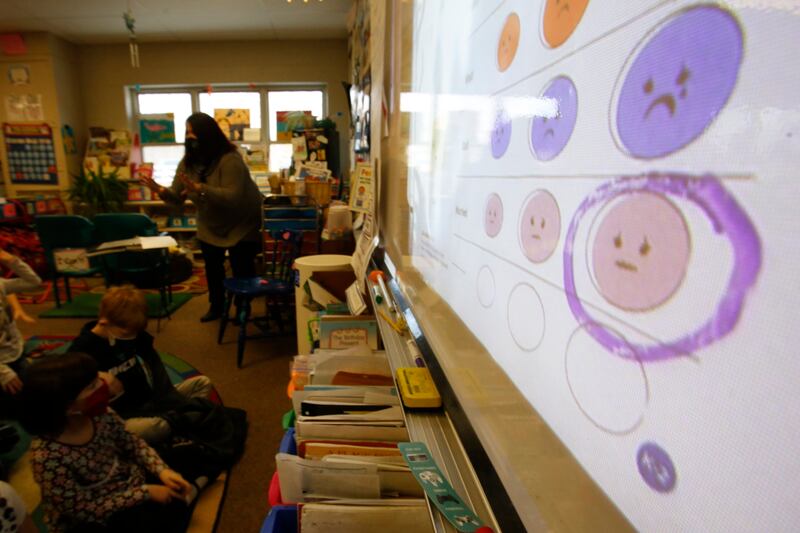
(50, 386)
(213, 143)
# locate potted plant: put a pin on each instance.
(96, 191)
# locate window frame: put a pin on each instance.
(195, 90)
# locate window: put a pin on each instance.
(260, 102)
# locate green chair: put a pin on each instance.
(66, 231)
(147, 269)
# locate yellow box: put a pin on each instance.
(417, 388)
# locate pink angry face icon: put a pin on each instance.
(640, 252)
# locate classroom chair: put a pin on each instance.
(66, 231)
(146, 269)
(276, 286)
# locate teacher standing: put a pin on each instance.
(213, 175)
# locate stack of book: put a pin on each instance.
(348, 474)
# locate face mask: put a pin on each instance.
(112, 339)
(192, 146)
(96, 403)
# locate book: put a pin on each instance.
(318, 450)
(136, 243)
(335, 516)
(309, 429)
(344, 331)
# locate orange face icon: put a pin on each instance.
(509, 40)
(560, 19)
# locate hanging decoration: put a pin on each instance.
(132, 44)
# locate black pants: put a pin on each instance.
(242, 257)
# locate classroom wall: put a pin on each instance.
(105, 72)
(66, 71)
(52, 63)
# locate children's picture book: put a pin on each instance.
(157, 129)
(344, 331)
(299, 150)
(233, 122)
(363, 190)
(286, 121)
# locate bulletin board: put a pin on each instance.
(31, 155)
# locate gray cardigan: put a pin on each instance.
(229, 207)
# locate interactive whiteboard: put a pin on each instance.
(606, 193)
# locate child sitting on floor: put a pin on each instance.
(141, 390)
(94, 475)
(11, 342)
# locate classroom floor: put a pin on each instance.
(259, 387)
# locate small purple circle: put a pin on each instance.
(726, 217)
(550, 135)
(656, 467)
(679, 81)
(501, 134)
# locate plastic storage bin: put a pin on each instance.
(281, 519)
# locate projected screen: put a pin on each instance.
(606, 194)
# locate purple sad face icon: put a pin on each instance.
(679, 81)
(493, 215)
(550, 135)
(501, 134)
(539, 226)
(640, 252)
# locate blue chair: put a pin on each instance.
(66, 231)
(147, 269)
(276, 286)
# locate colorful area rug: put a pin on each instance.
(208, 505)
(195, 284)
(87, 305)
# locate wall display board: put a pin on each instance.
(31, 156)
(605, 194)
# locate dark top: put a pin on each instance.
(148, 389)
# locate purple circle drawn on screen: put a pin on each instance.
(656, 467)
(726, 216)
(678, 82)
(501, 134)
(550, 135)
(493, 215)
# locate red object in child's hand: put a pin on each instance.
(484, 529)
(264, 282)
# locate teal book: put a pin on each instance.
(345, 331)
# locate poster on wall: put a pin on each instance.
(19, 75)
(233, 122)
(31, 156)
(157, 129)
(286, 121)
(24, 108)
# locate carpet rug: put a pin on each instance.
(87, 305)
